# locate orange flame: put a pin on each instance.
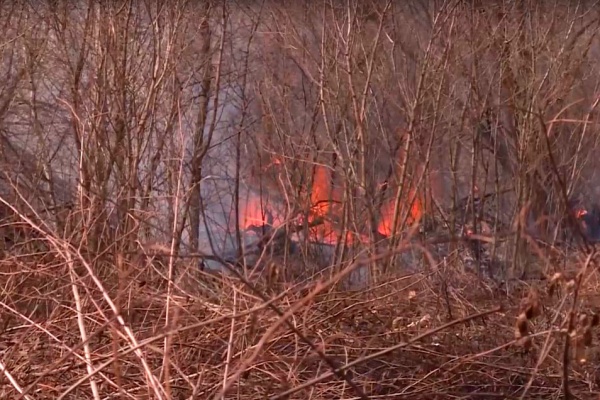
(326, 210)
(418, 203)
(255, 212)
(387, 214)
(323, 194)
(326, 199)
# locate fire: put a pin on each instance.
(387, 214)
(326, 199)
(325, 213)
(323, 192)
(417, 201)
(254, 212)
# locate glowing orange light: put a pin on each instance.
(254, 212)
(325, 213)
(323, 195)
(580, 212)
(274, 163)
(326, 201)
(387, 214)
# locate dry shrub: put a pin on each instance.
(126, 124)
(418, 336)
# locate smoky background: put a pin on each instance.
(146, 138)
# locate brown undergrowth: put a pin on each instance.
(433, 335)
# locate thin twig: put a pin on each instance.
(81, 325)
(381, 353)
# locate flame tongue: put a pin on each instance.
(325, 207)
(255, 213)
(325, 213)
(387, 214)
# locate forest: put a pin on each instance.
(276, 200)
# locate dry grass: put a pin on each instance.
(134, 123)
(423, 336)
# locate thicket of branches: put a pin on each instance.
(139, 140)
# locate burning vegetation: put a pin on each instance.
(325, 203)
(291, 200)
